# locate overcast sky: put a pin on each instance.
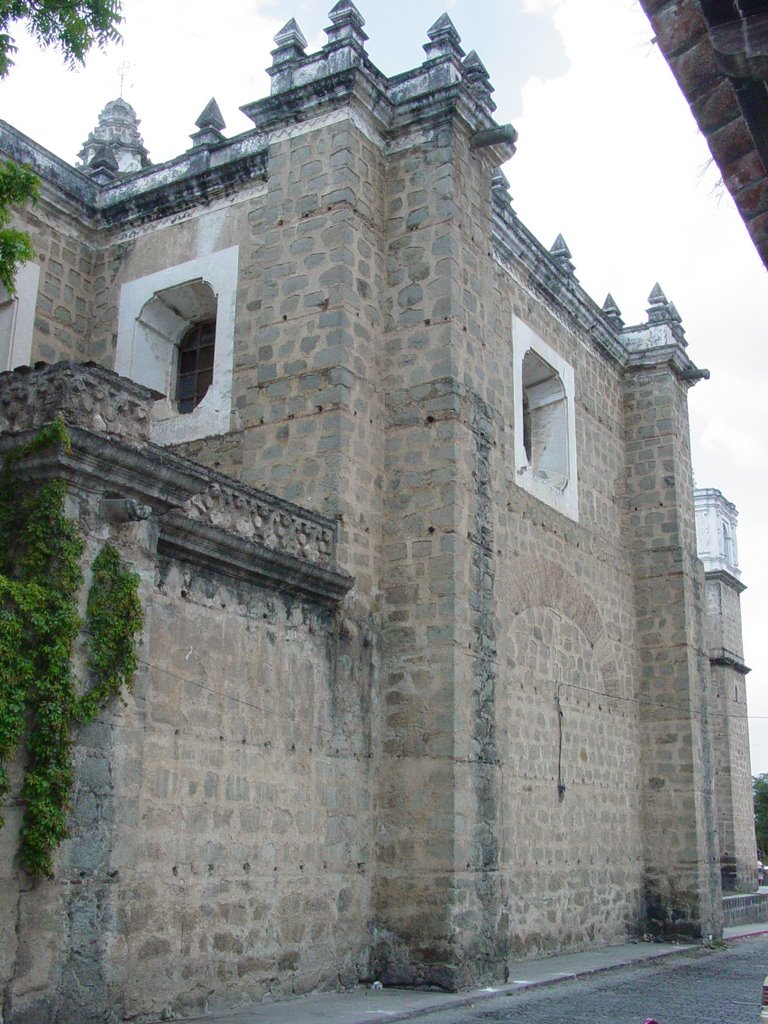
(608, 154)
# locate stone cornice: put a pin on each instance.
(394, 106)
(302, 102)
(672, 357)
(631, 348)
(83, 394)
(515, 244)
(212, 548)
(437, 92)
(192, 179)
(727, 578)
(70, 183)
(233, 159)
(727, 659)
(203, 517)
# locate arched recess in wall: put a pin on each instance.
(169, 330)
(569, 793)
(545, 421)
(536, 583)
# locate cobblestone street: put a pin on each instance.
(721, 987)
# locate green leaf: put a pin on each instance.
(71, 26)
(40, 576)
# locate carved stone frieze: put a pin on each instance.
(255, 518)
(83, 394)
(204, 517)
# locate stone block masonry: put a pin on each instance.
(678, 771)
(425, 687)
(244, 723)
(749, 909)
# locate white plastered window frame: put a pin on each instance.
(17, 318)
(148, 338)
(544, 389)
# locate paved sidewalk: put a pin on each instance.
(362, 1006)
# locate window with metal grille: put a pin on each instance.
(195, 372)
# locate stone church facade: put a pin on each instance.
(427, 683)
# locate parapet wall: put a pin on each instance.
(230, 793)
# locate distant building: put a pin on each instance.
(427, 684)
(716, 520)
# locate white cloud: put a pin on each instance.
(542, 6)
(180, 57)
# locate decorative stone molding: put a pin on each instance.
(118, 133)
(661, 341)
(210, 125)
(203, 517)
(83, 394)
(216, 549)
(253, 516)
(728, 659)
(522, 256)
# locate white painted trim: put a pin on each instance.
(225, 203)
(312, 124)
(17, 320)
(564, 498)
(212, 415)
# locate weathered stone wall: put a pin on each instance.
(494, 605)
(724, 614)
(567, 684)
(245, 864)
(422, 730)
(678, 826)
(220, 845)
(497, 743)
(220, 827)
(742, 909)
(64, 248)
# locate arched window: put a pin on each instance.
(175, 334)
(177, 349)
(195, 367)
(545, 421)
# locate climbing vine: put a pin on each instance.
(41, 699)
(114, 620)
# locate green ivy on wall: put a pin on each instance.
(41, 700)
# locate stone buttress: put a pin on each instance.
(682, 892)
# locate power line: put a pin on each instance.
(638, 701)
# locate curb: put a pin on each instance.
(484, 995)
(761, 930)
(367, 1003)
